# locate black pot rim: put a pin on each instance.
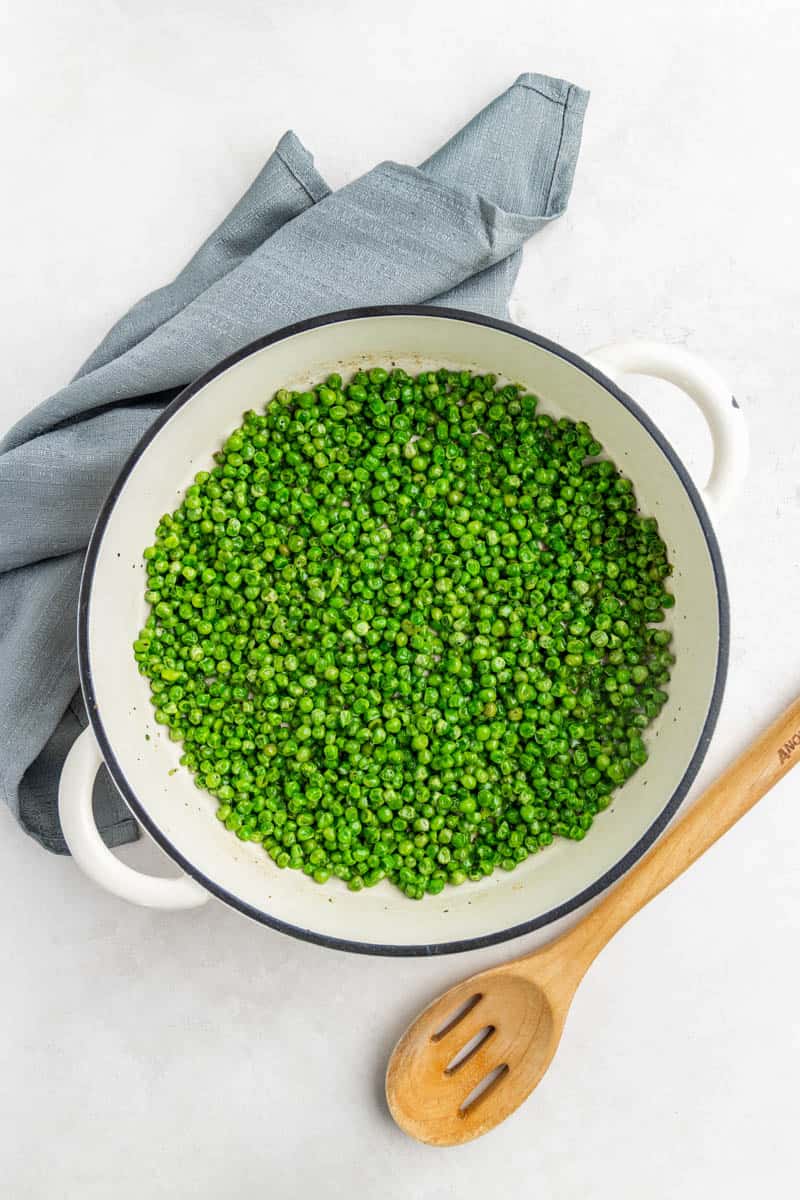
(436, 948)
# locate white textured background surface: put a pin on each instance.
(196, 1055)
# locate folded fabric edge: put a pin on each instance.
(519, 225)
(575, 103)
(293, 154)
(557, 90)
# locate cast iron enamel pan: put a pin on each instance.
(142, 760)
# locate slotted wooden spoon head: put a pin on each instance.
(473, 1056)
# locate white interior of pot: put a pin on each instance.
(185, 815)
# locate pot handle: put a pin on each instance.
(710, 393)
(90, 851)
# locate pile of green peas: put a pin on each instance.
(407, 628)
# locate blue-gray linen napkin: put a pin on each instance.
(449, 232)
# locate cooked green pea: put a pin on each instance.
(407, 629)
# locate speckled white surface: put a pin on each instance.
(196, 1055)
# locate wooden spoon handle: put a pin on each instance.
(749, 778)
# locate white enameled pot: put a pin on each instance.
(181, 818)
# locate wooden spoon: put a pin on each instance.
(478, 1051)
